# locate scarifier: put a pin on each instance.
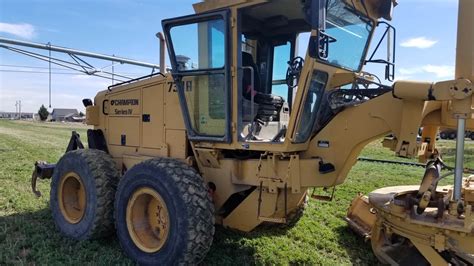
(242, 126)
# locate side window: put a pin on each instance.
(311, 106)
(199, 52)
(281, 56)
(217, 43)
(199, 45)
(216, 85)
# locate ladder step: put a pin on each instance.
(272, 220)
(322, 198)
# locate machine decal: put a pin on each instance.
(123, 111)
(188, 86)
(125, 102)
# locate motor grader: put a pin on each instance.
(241, 127)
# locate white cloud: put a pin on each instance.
(402, 77)
(419, 42)
(438, 71)
(407, 72)
(23, 30)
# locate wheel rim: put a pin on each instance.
(147, 220)
(72, 198)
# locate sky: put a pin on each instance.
(426, 39)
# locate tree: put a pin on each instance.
(43, 113)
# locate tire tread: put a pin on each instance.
(105, 174)
(200, 209)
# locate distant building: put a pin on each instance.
(74, 118)
(60, 114)
(13, 115)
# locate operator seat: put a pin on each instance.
(269, 105)
(247, 61)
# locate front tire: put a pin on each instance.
(164, 214)
(82, 194)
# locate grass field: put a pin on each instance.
(28, 236)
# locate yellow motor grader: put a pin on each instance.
(242, 126)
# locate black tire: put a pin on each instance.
(189, 205)
(443, 135)
(99, 176)
(452, 135)
(472, 136)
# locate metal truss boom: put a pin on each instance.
(49, 47)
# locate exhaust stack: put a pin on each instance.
(465, 42)
(464, 70)
(161, 37)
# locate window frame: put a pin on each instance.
(319, 25)
(291, 39)
(305, 97)
(178, 75)
(365, 51)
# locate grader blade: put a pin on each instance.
(361, 217)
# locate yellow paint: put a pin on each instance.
(72, 198)
(147, 219)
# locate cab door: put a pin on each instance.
(199, 50)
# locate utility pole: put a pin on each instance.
(18, 110)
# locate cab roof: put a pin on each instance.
(375, 9)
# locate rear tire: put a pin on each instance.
(452, 135)
(82, 194)
(164, 214)
(443, 135)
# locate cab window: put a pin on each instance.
(199, 45)
(281, 56)
(199, 56)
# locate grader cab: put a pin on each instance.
(243, 125)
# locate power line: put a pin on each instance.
(56, 73)
(41, 72)
(33, 67)
(49, 73)
(62, 69)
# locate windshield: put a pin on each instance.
(351, 33)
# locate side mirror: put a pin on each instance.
(319, 43)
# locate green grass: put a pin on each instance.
(28, 236)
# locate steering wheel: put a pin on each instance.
(295, 66)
